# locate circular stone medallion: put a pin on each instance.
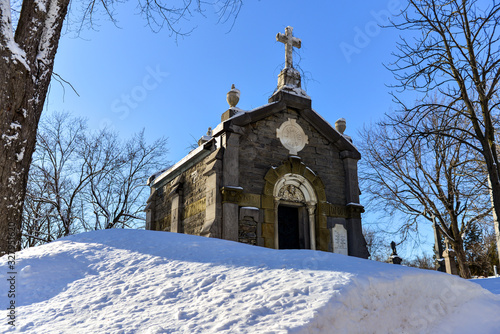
(292, 136)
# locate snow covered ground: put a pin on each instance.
(492, 284)
(129, 281)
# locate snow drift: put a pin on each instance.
(129, 281)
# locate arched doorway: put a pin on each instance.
(295, 205)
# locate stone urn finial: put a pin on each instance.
(233, 96)
(340, 125)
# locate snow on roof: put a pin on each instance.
(295, 91)
(158, 176)
(134, 281)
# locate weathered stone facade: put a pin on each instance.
(278, 176)
(227, 187)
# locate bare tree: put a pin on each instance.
(29, 37)
(57, 163)
(452, 49)
(378, 246)
(419, 178)
(81, 181)
(423, 261)
(103, 160)
(38, 215)
(117, 193)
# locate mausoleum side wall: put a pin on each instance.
(194, 199)
(162, 209)
(192, 209)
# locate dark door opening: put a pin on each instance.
(288, 228)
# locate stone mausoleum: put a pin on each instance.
(278, 176)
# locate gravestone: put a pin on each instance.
(438, 247)
(394, 258)
(339, 234)
(449, 260)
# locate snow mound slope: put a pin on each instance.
(491, 283)
(130, 281)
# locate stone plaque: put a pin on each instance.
(292, 136)
(339, 236)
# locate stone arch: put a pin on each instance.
(294, 173)
(300, 183)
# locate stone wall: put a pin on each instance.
(247, 232)
(260, 149)
(194, 203)
(162, 209)
(191, 188)
(319, 162)
(249, 226)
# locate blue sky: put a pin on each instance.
(130, 78)
(187, 94)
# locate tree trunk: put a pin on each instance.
(18, 124)
(458, 247)
(495, 202)
(463, 267)
(26, 63)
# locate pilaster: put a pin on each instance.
(351, 176)
(356, 241)
(150, 210)
(212, 226)
(230, 180)
(176, 206)
(175, 222)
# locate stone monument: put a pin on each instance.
(438, 247)
(289, 78)
(394, 258)
(277, 176)
(449, 259)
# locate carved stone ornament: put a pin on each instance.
(290, 42)
(233, 96)
(291, 193)
(292, 136)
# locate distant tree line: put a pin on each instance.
(82, 180)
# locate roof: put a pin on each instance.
(282, 100)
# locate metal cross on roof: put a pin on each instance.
(290, 42)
